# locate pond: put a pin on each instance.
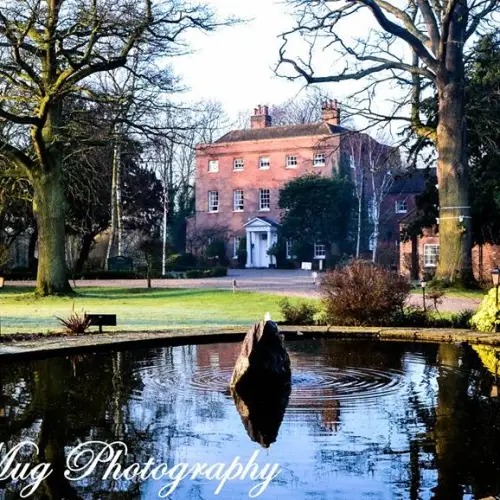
(377, 420)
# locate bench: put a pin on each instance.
(101, 320)
(120, 264)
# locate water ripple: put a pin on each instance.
(312, 383)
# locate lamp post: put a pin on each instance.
(423, 285)
(2, 282)
(495, 277)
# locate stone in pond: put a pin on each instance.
(263, 359)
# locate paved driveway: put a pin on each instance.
(284, 282)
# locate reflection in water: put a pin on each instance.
(363, 419)
(262, 411)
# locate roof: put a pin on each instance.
(301, 130)
(267, 220)
(412, 181)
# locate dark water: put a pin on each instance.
(364, 420)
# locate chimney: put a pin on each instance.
(261, 117)
(330, 111)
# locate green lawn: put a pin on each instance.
(137, 309)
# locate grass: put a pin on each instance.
(137, 308)
(455, 293)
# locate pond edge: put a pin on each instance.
(66, 345)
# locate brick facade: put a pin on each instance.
(233, 163)
(414, 264)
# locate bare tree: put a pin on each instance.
(299, 110)
(373, 165)
(380, 170)
(420, 46)
(358, 166)
(173, 156)
(51, 49)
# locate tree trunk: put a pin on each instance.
(415, 271)
(360, 213)
(148, 275)
(376, 216)
(375, 238)
(113, 207)
(87, 240)
(119, 220)
(49, 207)
(164, 233)
(455, 235)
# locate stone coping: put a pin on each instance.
(65, 345)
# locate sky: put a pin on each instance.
(234, 65)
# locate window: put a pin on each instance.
(319, 160)
(431, 255)
(236, 246)
(238, 164)
(213, 201)
(291, 162)
(264, 162)
(264, 199)
(238, 205)
(213, 166)
(319, 251)
(401, 206)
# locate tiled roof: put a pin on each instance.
(270, 221)
(267, 220)
(302, 130)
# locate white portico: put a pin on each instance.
(261, 235)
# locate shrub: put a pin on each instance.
(462, 319)
(76, 324)
(486, 315)
(321, 318)
(181, 261)
(195, 273)
(174, 275)
(288, 264)
(109, 275)
(411, 317)
(303, 251)
(242, 253)
(278, 251)
(417, 317)
(219, 272)
(19, 273)
(363, 294)
(300, 313)
(217, 250)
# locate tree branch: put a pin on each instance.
(401, 33)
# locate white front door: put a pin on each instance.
(261, 251)
(260, 237)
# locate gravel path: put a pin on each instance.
(294, 283)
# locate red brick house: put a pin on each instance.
(419, 256)
(239, 176)
(399, 201)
